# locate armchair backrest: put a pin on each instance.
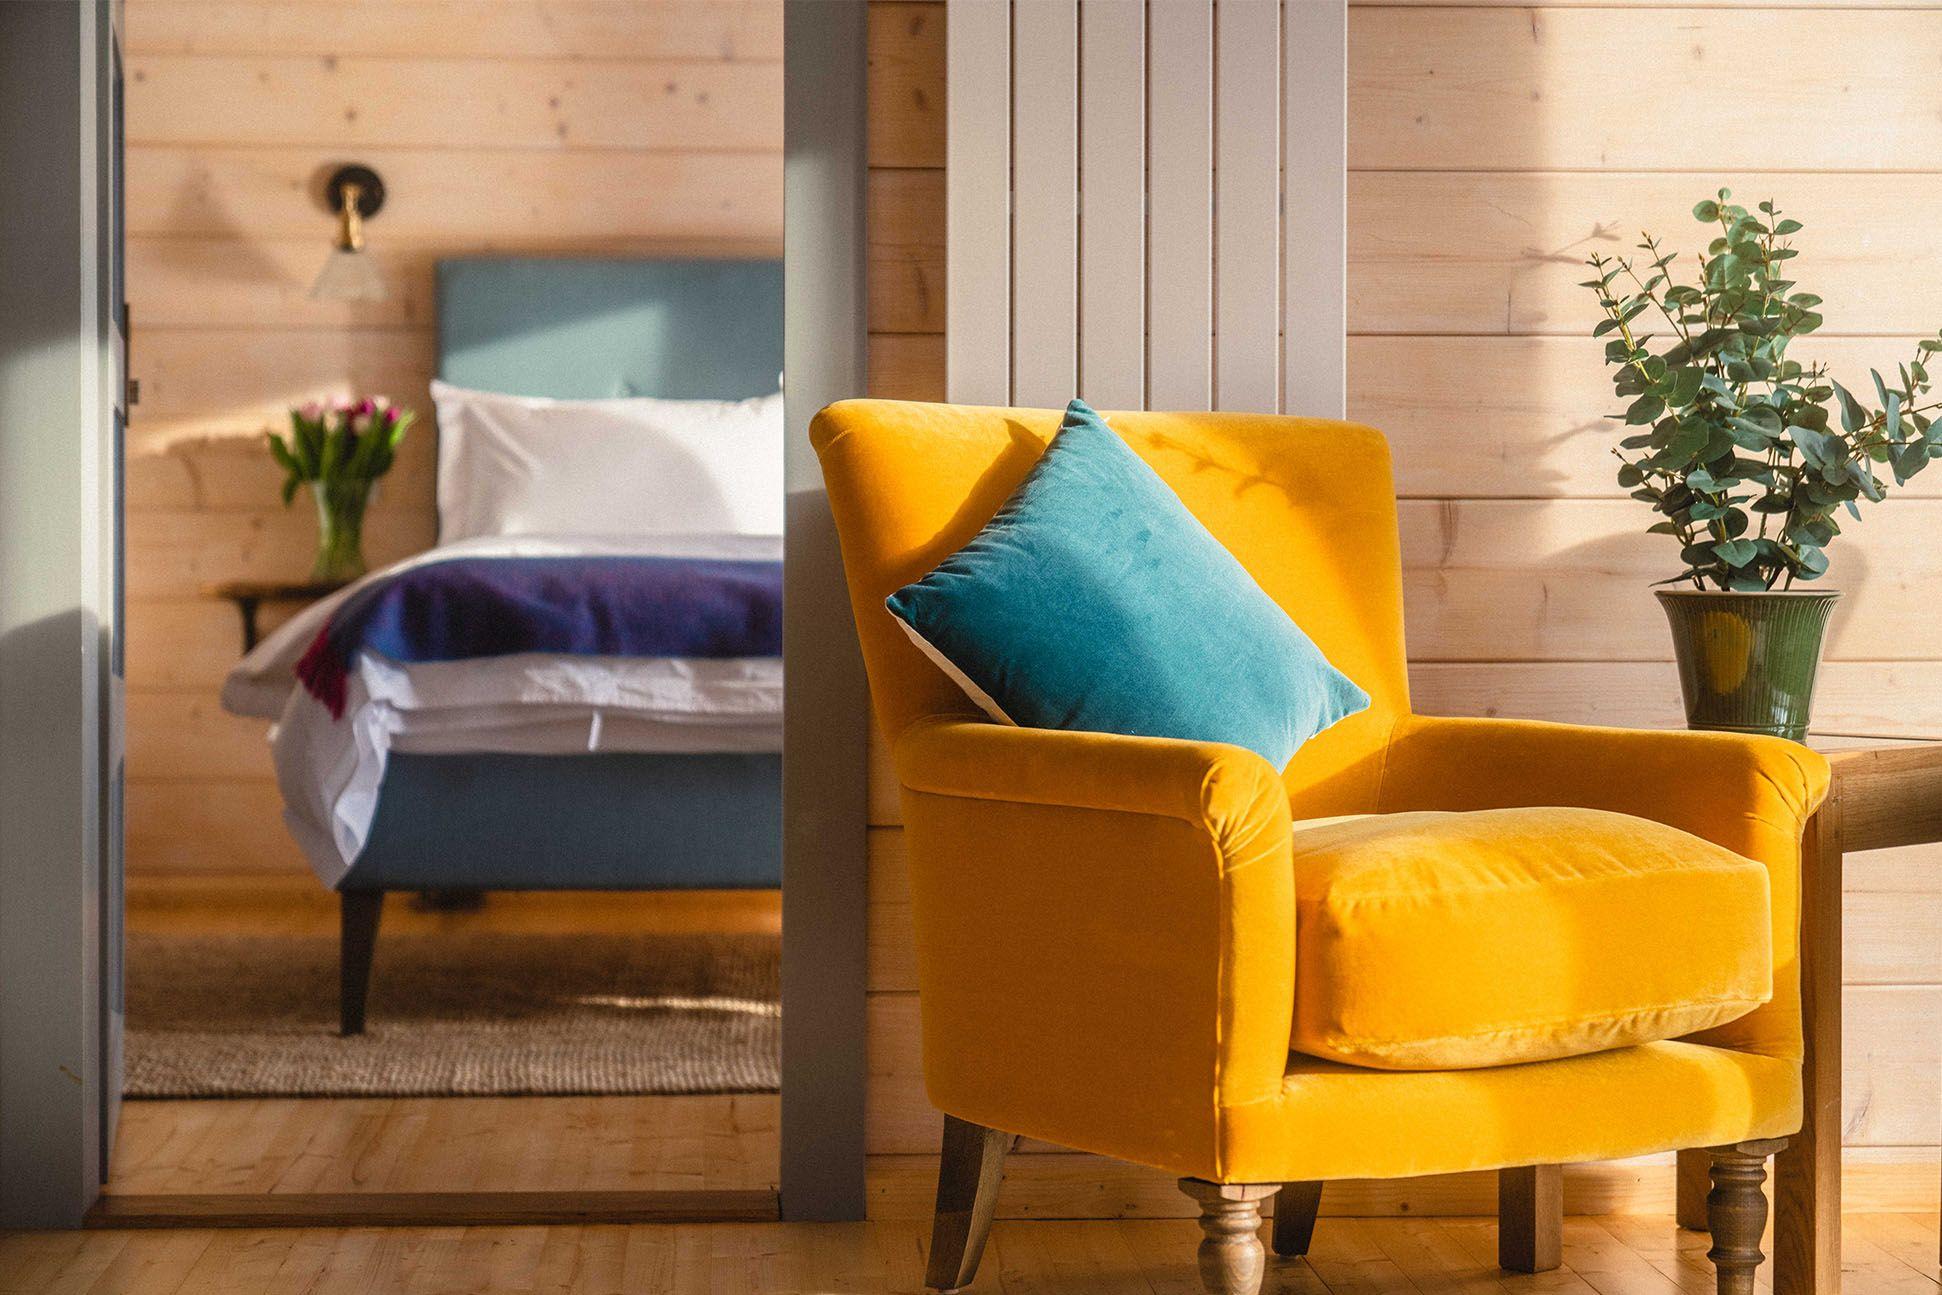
(1305, 504)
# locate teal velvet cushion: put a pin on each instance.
(1094, 600)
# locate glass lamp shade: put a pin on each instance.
(348, 276)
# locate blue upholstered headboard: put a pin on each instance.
(591, 329)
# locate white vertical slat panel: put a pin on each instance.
(977, 343)
(1180, 187)
(1112, 203)
(1314, 207)
(1045, 202)
(1247, 206)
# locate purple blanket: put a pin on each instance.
(580, 606)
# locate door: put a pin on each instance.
(117, 390)
(61, 405)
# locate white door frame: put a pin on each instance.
(57, 704)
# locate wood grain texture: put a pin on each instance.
(972, 1164)
(460, 104)
(462, 1209)
(1808, 1179)
(1492, 252)
(438, 29)
(905, 225)
(1530, 1218)
(497, 200)
(906, 83)
(1531, 89)
(1619, 1255)
(1232, 1259)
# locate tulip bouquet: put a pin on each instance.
(340, 451)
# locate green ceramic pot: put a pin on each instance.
(1747, 660)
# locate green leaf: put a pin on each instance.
(1735, 553)
(1707, 211)
(1786, 227)
(1685, 386)
(1864, 480)
(1853, 416)
(1644, 410)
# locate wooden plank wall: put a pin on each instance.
(1491, 147)
(534, 126)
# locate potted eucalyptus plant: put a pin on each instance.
(1751, 457)
(340, 451)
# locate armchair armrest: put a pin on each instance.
(1752, 795)
(1105, 933)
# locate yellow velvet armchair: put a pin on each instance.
(1520, 944)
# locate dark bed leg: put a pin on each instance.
(361, 910)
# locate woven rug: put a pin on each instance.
(455, 1015)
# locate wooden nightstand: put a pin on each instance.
(248, 595)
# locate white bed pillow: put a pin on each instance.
(523, 465)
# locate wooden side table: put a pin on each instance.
(1881, 797)
(248, 595)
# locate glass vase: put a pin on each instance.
(340, 530)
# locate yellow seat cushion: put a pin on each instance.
(1430, 941)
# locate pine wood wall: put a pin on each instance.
(1492, 147)
(518, 126)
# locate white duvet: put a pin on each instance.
(330, 770)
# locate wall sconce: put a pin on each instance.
(354, 195)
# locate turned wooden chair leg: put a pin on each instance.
(1736, 1210)
(1530, 1218)
(967, 1192)
(1295, 1207)
(360, 911)
(1232, 1258)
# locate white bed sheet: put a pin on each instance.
(330, 770)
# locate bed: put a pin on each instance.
(567, 780)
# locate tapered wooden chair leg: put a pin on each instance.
(1295, 1207)
(1232, 1258)
(359, 912)
(1530, 1218)
(973, 1163)
(1736, 1210)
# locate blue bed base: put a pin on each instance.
(615, 821)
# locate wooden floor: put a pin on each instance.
(444, 1144)
(1612, 1255)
